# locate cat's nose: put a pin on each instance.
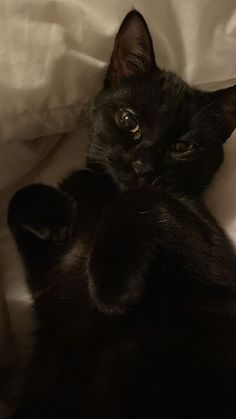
(141, 168)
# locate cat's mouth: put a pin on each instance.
(132, 181)
(123, 176)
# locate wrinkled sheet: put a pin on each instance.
(53, 57)
(53, 53)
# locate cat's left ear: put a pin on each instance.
(133, 52)
(226, 101)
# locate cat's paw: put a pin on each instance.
(118, 265)
(42, 212)
(124, 249)
(114, 287)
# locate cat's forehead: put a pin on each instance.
(164, 104)
(158, 91)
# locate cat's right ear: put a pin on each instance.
(225, 101)
(133, 52)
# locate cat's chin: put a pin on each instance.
(131, 184)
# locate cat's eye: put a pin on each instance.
(128, 121)
(183, 146)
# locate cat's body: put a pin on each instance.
(174, 356)
(133, 281)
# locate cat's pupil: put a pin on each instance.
(129, 122)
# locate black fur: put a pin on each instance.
(133, 280)
(168, 110)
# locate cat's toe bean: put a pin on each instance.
(41, 211)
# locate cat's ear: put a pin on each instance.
(226, 103)
(229, 107)
(133, 52)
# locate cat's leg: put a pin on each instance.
(46, 221)
(41, 219)
(93, 191)
(121, 256)
(152, 227)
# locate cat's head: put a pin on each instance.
(148, 123)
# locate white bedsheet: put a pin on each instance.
(53, 53)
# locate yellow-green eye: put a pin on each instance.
(128, 121)
(183, 146)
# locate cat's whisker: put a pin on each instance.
(158, 178)
(98, 147)
(96, 153)
(97, 158)
(86, 169)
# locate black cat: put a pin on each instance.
(133, 281)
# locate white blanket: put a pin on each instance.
(53, 53)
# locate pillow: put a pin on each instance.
(54, 53)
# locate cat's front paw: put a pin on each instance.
(41, 212)
(119, 263)
(115, 285)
